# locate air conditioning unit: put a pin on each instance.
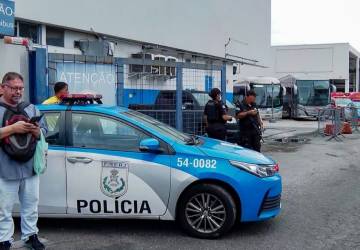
(95, 48)
(140, 68)
(136, 68)
(171, 71)
(148, 56)
(159, 70)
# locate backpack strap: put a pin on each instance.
(6, 106)
(21, 108)
(23, 105)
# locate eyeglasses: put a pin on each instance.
(14, 89)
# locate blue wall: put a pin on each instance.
(148, 96)
(208, 83)
(229, 97)
(140, 96)
(38, 76)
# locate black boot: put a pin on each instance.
(34, 243)
(5, 245)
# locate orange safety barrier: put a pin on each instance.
(329, 129)
(346, 128)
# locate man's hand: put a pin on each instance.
(252, 112)
(22, 127)
(262, 126)
(227, 117)
(35, 132)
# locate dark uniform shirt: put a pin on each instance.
(214, 112)
(216, 124)
(250, 133)
(246, 124)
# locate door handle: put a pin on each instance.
(79, 159)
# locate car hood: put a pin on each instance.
(229, 151)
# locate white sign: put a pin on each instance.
(89, 78)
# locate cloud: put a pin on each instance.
(315, 21)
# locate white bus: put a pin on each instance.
(305, 96)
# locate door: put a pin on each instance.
(107, 174)
(53, 181)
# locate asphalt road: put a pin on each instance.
(321, 210)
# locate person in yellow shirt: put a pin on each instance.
(60, 89)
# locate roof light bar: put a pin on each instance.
(80, 99)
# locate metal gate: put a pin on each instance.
(173, 92)
(85, 74)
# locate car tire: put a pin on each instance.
(206, 211)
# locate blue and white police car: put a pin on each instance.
(111, 162)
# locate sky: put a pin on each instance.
(315, 21)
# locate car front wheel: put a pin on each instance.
(207, 211)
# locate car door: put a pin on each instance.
(53, 181)
(107, 174)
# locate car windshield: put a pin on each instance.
(203, 98)
(313, 93)
(160, 127)
(268, 96)
(357, 104)
(342, 102)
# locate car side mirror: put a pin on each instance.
(295, 90)
(150, 145)
(283, 90)
(333, 88)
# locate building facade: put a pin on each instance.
(233, 33)
(337, 62)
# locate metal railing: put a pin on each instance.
(335, 121)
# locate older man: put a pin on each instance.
(17, 177)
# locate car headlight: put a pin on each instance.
(258, 170)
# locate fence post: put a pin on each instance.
(179, 92)
(119, 63)
(38, 87)
(223, 82)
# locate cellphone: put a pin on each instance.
(35, 119)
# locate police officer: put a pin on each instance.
(215, 116)
(250, 123)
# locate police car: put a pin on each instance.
(111, 162)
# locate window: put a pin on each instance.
(29, 30)
(55, 36)
(94, 131)
(313, 93)
(160, 127)
(52, 121)
(268, 95)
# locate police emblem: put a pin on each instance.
(114, 178)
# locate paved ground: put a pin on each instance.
(321, 210)
(288, 128)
